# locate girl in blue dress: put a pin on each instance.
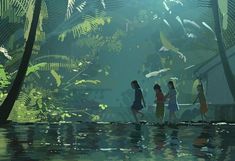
(172, 101)
(139, 99)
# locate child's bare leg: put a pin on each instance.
(205, 116)
(134, 114)
(202, 116)
(170, 117)
(161, 120)
(174, 116)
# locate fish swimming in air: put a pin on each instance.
(103, 4)
(209, 28)
(191, 35)
(156, 73)
(174, 78)
(186, 21)
(163, 49)
(166, 7)
(189, 67)
(181, 23)
(177, 1)
(166, 22)
(5, 52)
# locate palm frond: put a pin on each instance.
(62, 62)
(70, 8)
(90, 24)
(21, 6)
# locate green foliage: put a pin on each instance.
(20, 6)
(10, 10)
(40, 34)
(103, 106)
(95, 117)
(97, 42)
(90, 24)
(4, 77)
(70, 7)
(35, 68)
(82, 82)
(57, 62)
(57, 77)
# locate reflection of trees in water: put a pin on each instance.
(89, 137)
(18, 145)
(224, 141)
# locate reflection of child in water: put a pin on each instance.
(202, 100)
(159, 102)
(137, 104)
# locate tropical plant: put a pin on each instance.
(90, 24)
(8, 103)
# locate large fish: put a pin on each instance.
(177, 1)
(163, 49)
(186, 21)
(166, 22)
(103, 4)
(5, 53)
(181, 23)
(209, 28)
(167, 44)
(156, 73)
(165, 6)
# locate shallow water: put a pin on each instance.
(95, 142)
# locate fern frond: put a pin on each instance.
(70, 8)
(90, 24)
(21, 6)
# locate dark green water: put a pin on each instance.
(117, 142)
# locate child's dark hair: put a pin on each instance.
(135, 83)
(157, 86)
(172, 84)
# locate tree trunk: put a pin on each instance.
(8, 103)
(222, 51)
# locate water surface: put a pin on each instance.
(127, 142)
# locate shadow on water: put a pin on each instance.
(91, 141)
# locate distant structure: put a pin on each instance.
(212, 75)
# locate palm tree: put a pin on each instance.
(8, 103)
